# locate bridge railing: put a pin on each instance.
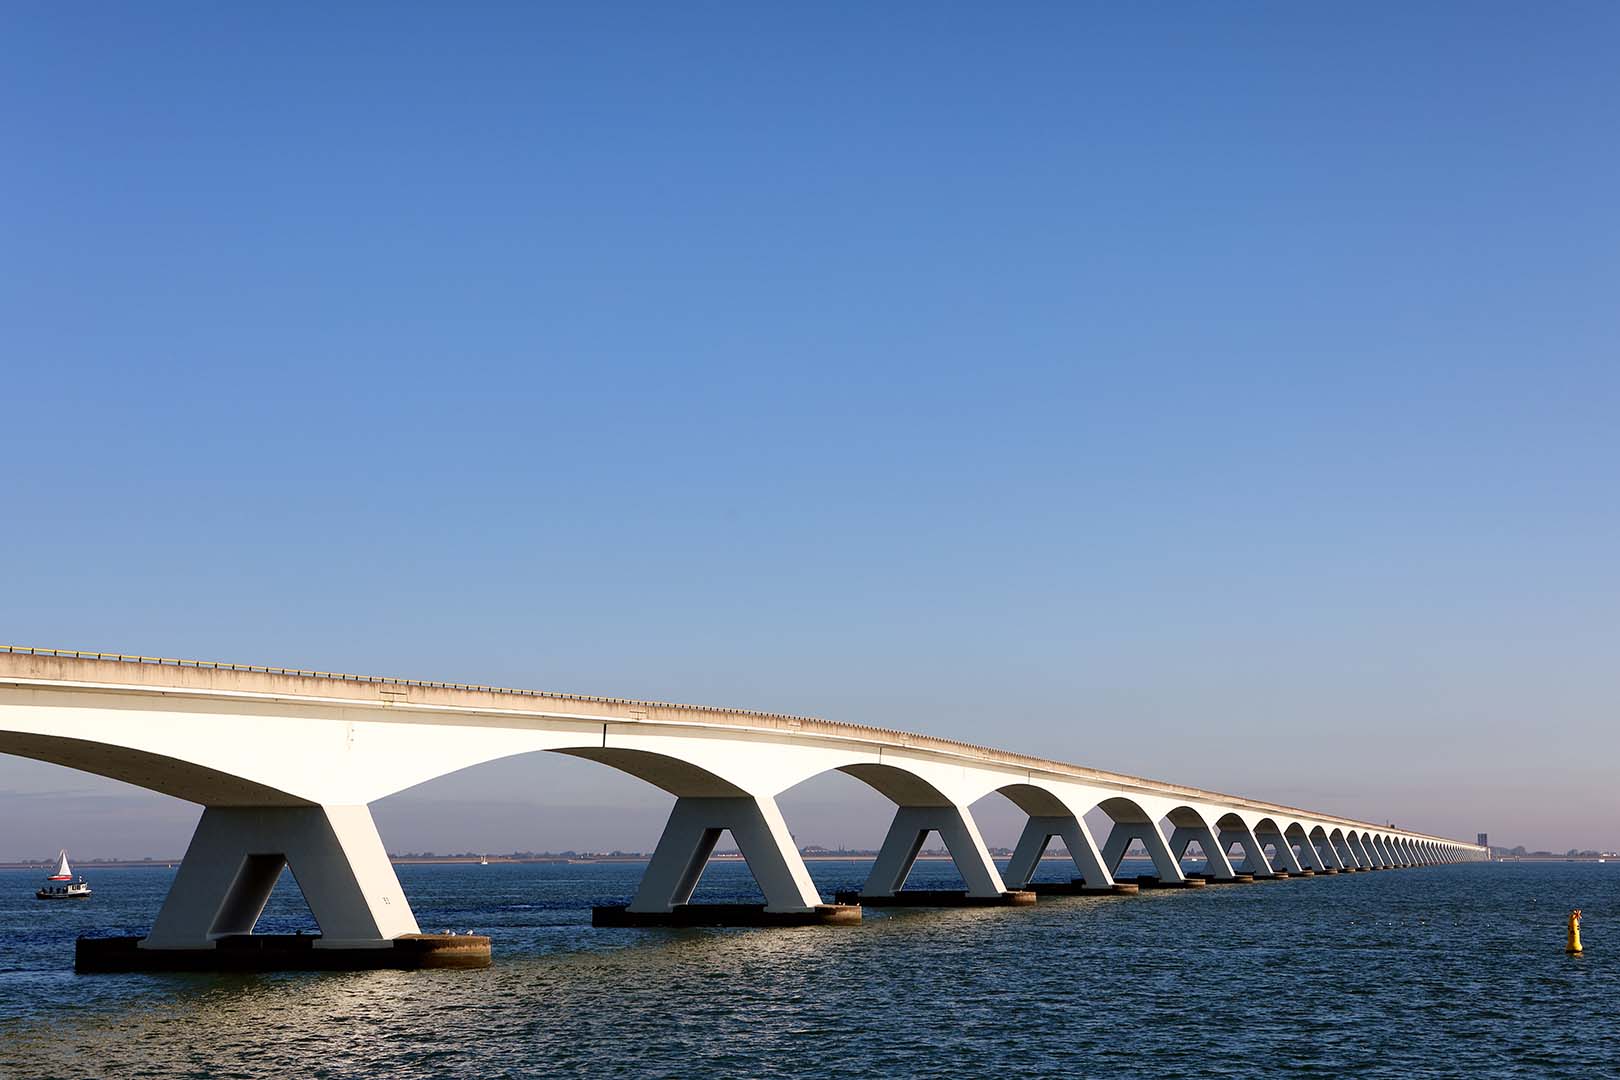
(903, 737)
(389, 680)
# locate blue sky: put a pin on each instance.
(1223, 394)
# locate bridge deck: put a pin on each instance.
(205, 678)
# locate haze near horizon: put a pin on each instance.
(1221, 396)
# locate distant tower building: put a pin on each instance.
(1484, 840)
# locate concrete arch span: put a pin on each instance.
(1339, 841)
(162, 773)
(1273, 833)
(1053, 816)
(1188, 826)
(1136, 822)
(1235, 833)
(1305, 850)
(1368, 850)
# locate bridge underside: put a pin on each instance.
(155, 772)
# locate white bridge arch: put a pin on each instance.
(285, 763)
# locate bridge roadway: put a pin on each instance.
(286, 761)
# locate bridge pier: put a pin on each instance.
(1254, 855)
(904, 842)
(694, 827)
(1287, 859)
(1318, 853)
(227, 875)
(1304, 850)
(1038, 833)
(1216, 864)
(238, 852)
(1119, 840)
(1330, 855)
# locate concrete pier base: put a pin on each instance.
(1328, 870)
(1238, 878)
(1078, 887)
(940, 898)
(1148, 881)
(1281, 873)
(620, 915)
(283, 952)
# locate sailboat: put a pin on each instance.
(60, 885)
(483, 860)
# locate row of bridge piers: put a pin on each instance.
(1232, 853)
(337, 857)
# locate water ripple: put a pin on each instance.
(1455, 971)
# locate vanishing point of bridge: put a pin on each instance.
(285, 763)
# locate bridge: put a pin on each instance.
(285, 763)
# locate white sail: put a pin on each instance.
(63, 871)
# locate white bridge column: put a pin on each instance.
(1216, 864)
(1286, 857)
(1119, 840)
(762, 836)
(1308, 854)
(1038, 833)
(237, 853)
(910, 829)
(1254, 854)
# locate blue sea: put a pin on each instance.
(1453, 971)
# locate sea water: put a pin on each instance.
(1441, 971)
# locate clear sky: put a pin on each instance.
(1228, 394)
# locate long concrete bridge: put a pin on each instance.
(285, 763)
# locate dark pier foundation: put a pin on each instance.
(1078, 887)
(1237, 878)
(284, 952)
(681, 915)
(1148, 881)
(940, 898)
